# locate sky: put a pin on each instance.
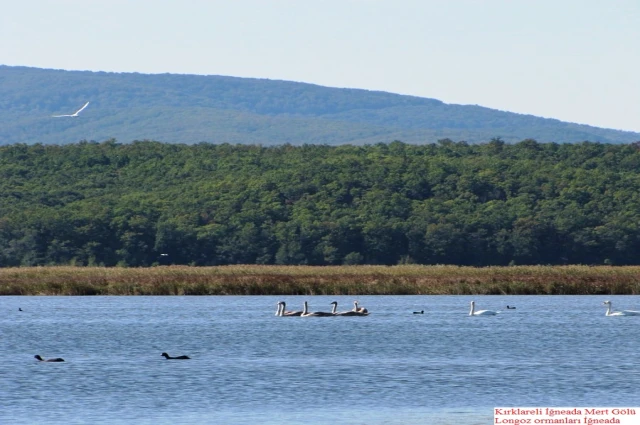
(573, 60)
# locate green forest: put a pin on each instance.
(147, 203)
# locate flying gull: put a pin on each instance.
(74, 114)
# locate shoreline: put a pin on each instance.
(321, 280)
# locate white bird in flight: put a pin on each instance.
(75, 114)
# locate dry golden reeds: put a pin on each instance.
(307, 280)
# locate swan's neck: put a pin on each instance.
(335, 307)
(304, 309)
(280, 310)
(473, 307)
(608, 309)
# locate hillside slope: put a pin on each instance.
(217, 109)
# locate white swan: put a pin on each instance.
(307, 313)
(282, 312)
(359, 309)
(346, 313)
(619, 313)
(75, 114)
(473, 311)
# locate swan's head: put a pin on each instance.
(473, 303)
(334, 302)
(607, 302)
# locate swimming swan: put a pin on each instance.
(282, 312)
(57, 359)
(168, 357)
(619, 313)
(307, 313)
(473, 311)
(346, 313)
(359, 309)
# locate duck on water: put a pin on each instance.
(168, 357)
(39, 358)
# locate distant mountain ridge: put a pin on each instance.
(217, 109)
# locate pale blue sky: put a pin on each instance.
(574, 60)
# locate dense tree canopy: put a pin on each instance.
(446, 203)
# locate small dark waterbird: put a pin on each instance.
(168, 357)
(419, 312)
(509, 307)
(57, 359)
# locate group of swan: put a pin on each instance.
(619, 313)
(356, 311)
(361, 311)
(609, 312)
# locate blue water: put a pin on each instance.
(248, 366)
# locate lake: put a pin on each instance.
(248, 366)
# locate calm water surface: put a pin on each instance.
(248, 366)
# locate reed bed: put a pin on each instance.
(307, 280)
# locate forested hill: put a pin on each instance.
(217, 109)
(446, 203)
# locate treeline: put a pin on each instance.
(149, 203)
